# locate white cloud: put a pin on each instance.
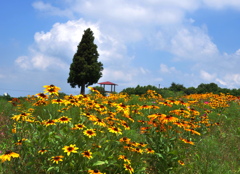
(186, 42)
(222, 4)
(23, 62)
(51, 10)
(118, 25)
(230, 80)
(207, 76)
(56, 47)
(165, 69)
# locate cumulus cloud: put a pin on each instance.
(117, 25)
(56, 47)
(186, 43)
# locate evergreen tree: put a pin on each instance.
(85, 69)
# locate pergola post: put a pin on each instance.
(113, 85)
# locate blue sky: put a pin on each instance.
(148, 42)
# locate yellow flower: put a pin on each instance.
(51, 89)
(87, 154)
(64, 119)
(193, 131)
(96, 171)
(8, 155)
(90, 133)
(42, 151)
(21, 117)
(42, 96)
(56, 159)
(19, 142)
(181, 162)
(70, 149)
(125, 139)
(125, 159)
(78, 126)
(49, 122)
(187, 141)
(149, 150)
(129, 168)
(115, 130)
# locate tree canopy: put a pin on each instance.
(85, 69)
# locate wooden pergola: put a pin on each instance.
(103, 84)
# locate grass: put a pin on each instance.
(218, 150)
(134, 134)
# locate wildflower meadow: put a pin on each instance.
(119, 134)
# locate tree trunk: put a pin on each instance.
(82, 89)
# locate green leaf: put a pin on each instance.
(50, 168)
(159, 155)
(98, 163)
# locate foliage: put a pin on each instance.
(119, 133)
(177, 90)
(176, 87)
(203, 88)
(5, 97)
(139, 90)
(85, 69)
(99, 89)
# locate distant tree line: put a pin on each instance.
(178, 90)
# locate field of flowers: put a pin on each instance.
(119, 133)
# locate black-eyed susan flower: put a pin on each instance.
(56, 159)
(42, 151)
(124, 158)
(149, 150)
(8, 155)
(42, 95)
(19, 142)
(141, 144)
(90, 133)
(64, 119)
(99, 122)
(95, 171)
(187, 141)
(115, 130)
(169, 118)
(40, 103)
(125, 139)
(138, 150)
(193, 131)
(21, 117)
(79, 126)
(49, 122)
(125, 125)
(144, 129)
(128, 147)
(57, 101)
(51, 89)
(94, 90)
(70, 149)
(129, 168)
(181, 162)
(87, 154)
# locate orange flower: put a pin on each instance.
(187, 141)
(193, 131)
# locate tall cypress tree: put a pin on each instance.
(85, 69)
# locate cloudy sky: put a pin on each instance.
(148, 42)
